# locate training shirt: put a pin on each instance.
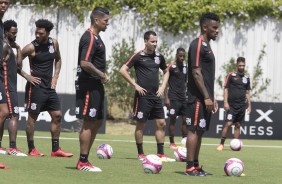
(10, 71)
(200, 55)
(237, 85)
(91, 49)
(177, 81)
(41, 65)
(147, 71)
(1, 49)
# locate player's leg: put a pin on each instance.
(224, 134)
(171, 130)
(3, 115)
(237, 130)
(139, 139)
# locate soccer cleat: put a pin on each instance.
(61, 153)
(199, 169)
(16, 152)
(243, 174)
(34, 152)
(173, 146)
(193, 172)
(86, 166)
(3, 151)
(220, 147)
(165, 158)
(2, 166)
(141, 156)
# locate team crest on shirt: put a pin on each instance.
(233, 74)
(244, 80)
(51, 49)
(16, 110)
(173, 66)
(76, 110)
(188, 121)
(172, 111)
(184, 70)
(229, 116)
(92, 112)
(204, 44)
(1, 96)
(140, 115)
(202, 123)
(33, 106)
(157, 60)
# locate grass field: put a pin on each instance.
(262, 159)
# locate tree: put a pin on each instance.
(258, 83)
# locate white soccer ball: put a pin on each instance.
(104, 151)
(180, 154)
(236, 144)
(183, 142)
(233, 167)
(152, 164)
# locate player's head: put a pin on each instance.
(209, 23)
(180, 55)
(4, 4)
(100, 18)
(240, 64)
(43, 28)
(10, 30)
(150, 40)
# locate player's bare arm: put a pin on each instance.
(6, 51)
(58, 63)
(225, 99)
(91, 69)
(166, 98)
(199, 80)
(248, 95)
(29, 51)
(161, 89)
(124, 73)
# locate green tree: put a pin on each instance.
(258, 83)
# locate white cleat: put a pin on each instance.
(16, 152)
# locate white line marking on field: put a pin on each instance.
(133, 141)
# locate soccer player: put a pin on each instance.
(89, 85)
(147, 101)
(43, 54)
(200, 90)
(237, 99)
(4, 4)
(175, 98)
(11, 62)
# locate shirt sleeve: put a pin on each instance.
(163, 65)
(227, 81)
(132, 60)
(249, 84)
(195, 53)
(88, 47)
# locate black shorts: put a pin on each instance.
(40, 99)
(236, 113)
(177, 108)
(197, 117)
(147, 109)
(13, 105)
(3, 98)
(90, 103)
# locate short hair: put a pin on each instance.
(241, 59)
(207, 17)
(148, 33)
(44, 23)
(98, 12)
(8, 24)
(180, 49)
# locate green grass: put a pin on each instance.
(262, 165)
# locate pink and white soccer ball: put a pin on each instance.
(104, 151)
(236, 144)
(183, 141)
(233, 167)
(180, 154)
(152, 164)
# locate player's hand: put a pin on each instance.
(54, 83)
(226, 106)
(249, 109)
(105, 79)
(209, 104)
(33, 80)
(160, 91)
(140, 90)
(215, 106)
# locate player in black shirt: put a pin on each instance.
(147, 101)
(237, 99)
(11, 63)
(200, 90)
(175, 98)
(4, 4)
(89, 85)
(43, 54)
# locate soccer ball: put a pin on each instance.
(183, 142)
(180, 154)
(236, 144)
(233, 167)
(104, 151)
(152, 164)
